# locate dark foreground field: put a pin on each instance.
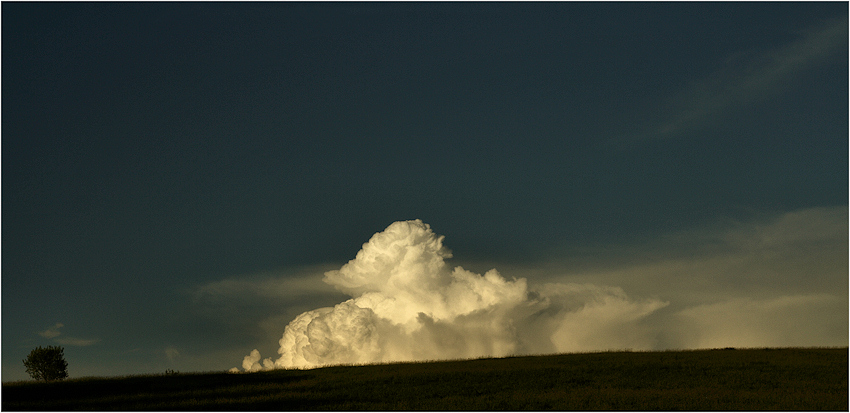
(753, 379)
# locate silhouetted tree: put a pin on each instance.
(47, 363)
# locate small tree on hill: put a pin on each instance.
(47, 363)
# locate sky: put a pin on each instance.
(178, 178)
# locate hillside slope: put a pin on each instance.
(751, 379)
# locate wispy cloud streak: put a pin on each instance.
(744, 81)
(78, 342)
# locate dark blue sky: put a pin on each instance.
(152, 148)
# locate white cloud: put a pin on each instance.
(52, 331)
(408, 304)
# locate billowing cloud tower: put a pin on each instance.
(408, 304)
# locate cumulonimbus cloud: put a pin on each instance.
(409, 304)
(773, 281)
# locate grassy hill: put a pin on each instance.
(751, 379)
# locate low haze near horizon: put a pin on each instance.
(178, 178)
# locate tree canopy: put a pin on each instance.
(47, 363)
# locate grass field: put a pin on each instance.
(751, 379)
